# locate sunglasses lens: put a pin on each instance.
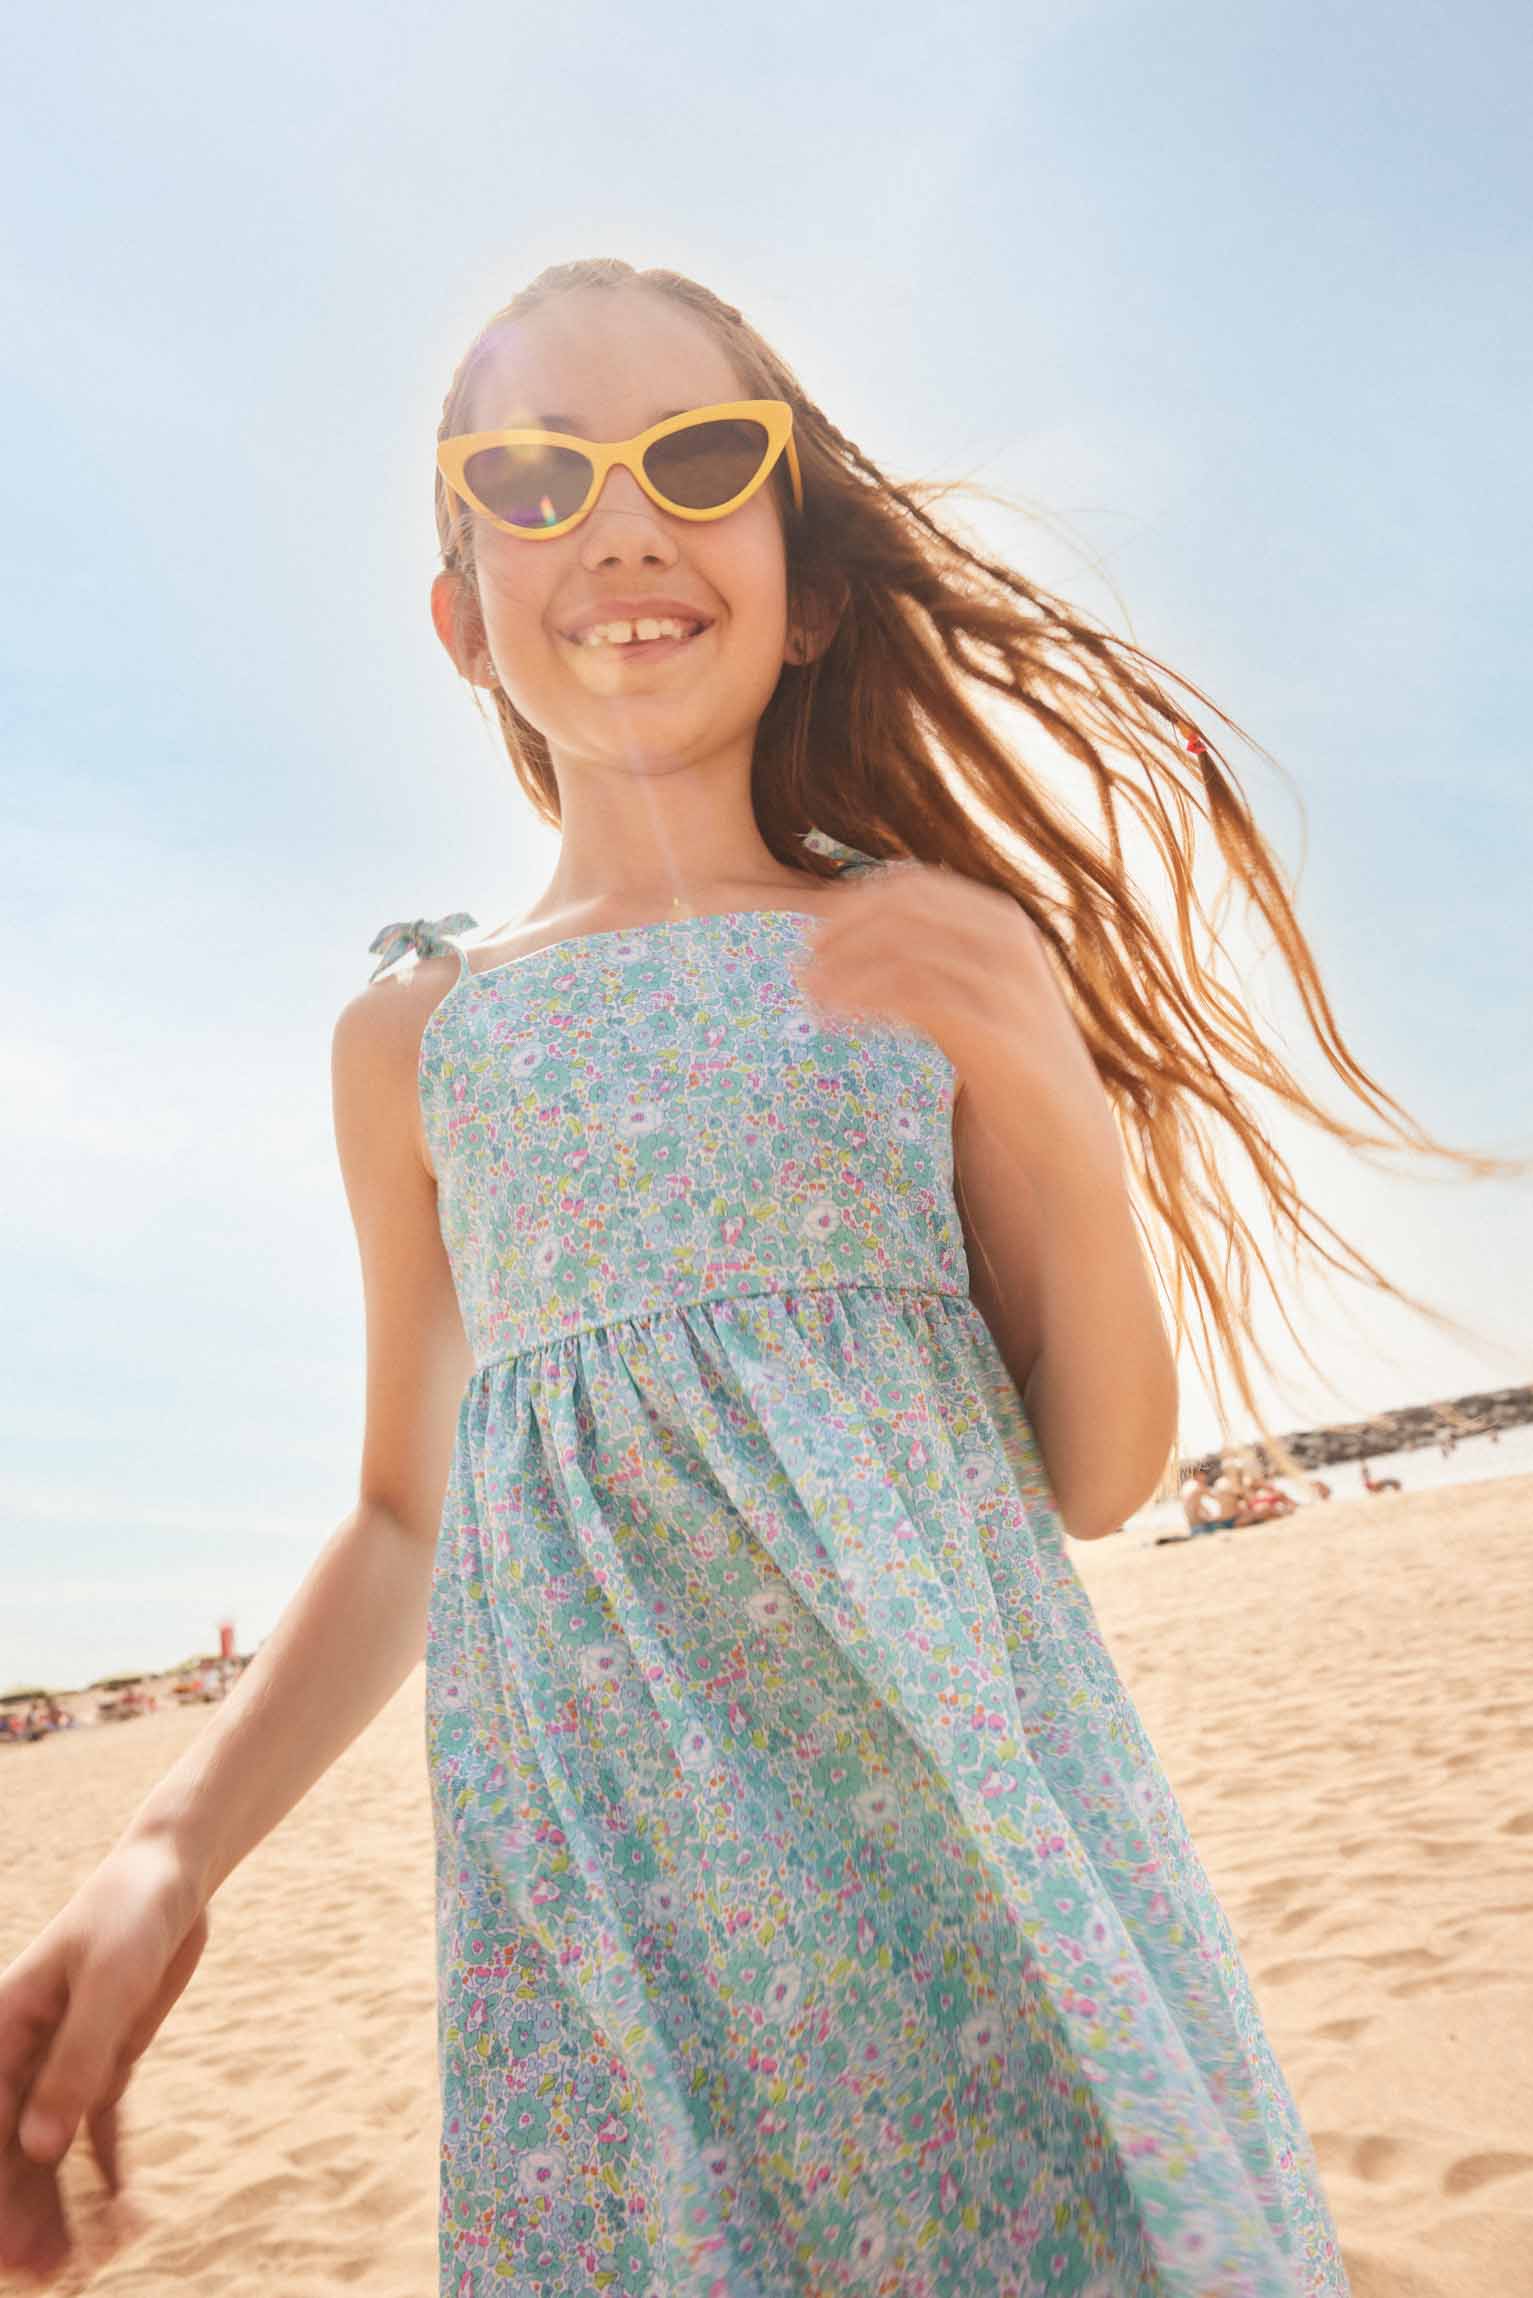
(529, 486)
(707, 463)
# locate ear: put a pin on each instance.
(460, 627)
(812, 628)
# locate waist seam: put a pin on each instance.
(711, 1300)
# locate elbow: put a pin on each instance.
(1096, 1507)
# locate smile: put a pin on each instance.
(670, 638)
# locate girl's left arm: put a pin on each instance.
(1056, 1266)
(1058, 1272)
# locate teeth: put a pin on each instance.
(624, 633)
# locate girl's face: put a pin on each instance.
(606, 363)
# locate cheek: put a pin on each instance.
(515, 590)
(762, 561)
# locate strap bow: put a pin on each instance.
(426, 936)
(820, 842)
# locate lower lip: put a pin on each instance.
(643, 649)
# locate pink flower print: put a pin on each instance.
(770, 1607)
(819, 1220)
(548, 1256)
(979, 2038)
(524, 1060)
(544, 1891)
(1098, 1930)
(1144, 1795)
(866, 1936)
(640, 1118)
(905, 1127)
(598, 1664)
(875, 1808)
(947, 2192)
(732, 1229)
(1193, 2241)
(783, 1990)
(543, 2170)
(977, 1474)
(997, 1783)
(868, 2244)
(611, 2131)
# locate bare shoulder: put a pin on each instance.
(376, 1044)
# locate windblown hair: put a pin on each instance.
(881, 742)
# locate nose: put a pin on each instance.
(623, 522)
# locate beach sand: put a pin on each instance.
(1340, 1703)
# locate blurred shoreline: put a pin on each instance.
(1423, 1447)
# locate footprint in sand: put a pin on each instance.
(1472, 2171)
(1343, 2030)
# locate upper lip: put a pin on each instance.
(633, 610)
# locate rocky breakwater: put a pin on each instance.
(1404, 1430)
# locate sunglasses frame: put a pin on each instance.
(774, 415)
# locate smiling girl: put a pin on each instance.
(756, 1310)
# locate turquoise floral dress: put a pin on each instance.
(813, 1912)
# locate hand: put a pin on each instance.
(77, 2009)
(964, 964)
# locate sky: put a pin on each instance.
(1233, 299)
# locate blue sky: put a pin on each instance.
(1236, 298)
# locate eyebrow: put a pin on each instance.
(573, 424)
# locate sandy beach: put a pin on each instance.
(1339, 1700)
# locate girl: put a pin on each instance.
(755, 1306)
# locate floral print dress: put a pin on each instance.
(813, 1912)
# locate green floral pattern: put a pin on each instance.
(814, 1914)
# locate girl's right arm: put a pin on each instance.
(80, 2004)
(357, 1625)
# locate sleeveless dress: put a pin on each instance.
(813, 1912)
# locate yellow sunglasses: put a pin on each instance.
(700, 465)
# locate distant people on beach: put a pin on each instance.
(1201, 1507)
(1265, 1500)
(35, 1721)
(1257, 1498)
(1379, 1483)
(1234, 1500)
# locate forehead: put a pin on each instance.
(607, 362)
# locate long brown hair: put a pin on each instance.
(881, 742)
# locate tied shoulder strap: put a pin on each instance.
(428, 937)
(850, 857)
(854, 862)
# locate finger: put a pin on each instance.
(106, 2138)
(34, 2233)
(77, 2072)
(34, 2004)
